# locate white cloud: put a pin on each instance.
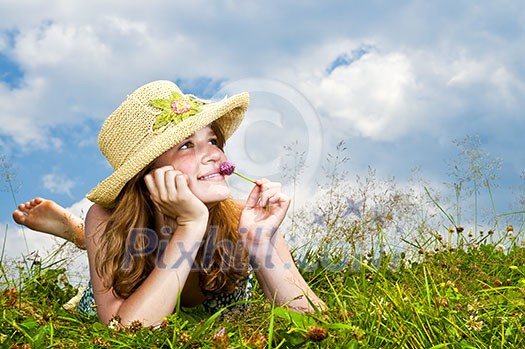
(388, 95)
(374, 94)
(22, 241)
(499, 84)
(80, 208)
(395, 89)
(73, 71)
(58, 44)
(58, 184)
(16, 110)
(464, 77)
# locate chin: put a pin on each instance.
(215, 194)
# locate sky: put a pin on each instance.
(398, 81)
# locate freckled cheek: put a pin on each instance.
(186, 166)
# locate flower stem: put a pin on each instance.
(244, 177)
(267, 208)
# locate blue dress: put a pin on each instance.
(87, 305)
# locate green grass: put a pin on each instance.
(423, 289)
(464, 297)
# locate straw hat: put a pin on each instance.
(153, 119)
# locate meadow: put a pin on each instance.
(398, 267)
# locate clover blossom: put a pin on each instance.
(227, 168)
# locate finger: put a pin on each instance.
(266, 197)
(170, 184)
(281, 200)
(182, 183)
(253, 197)
(275, 199)
(262, 181)
(270, 186)
(156, 182)
(269, 190)
(150, 184)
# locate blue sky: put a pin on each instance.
(398, 81)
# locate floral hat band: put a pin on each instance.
(175, 109)
(150, 121)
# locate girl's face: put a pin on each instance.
(199, 156)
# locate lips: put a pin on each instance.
(212, 175)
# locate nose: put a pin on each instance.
(211, 154)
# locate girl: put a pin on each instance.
(163, 228)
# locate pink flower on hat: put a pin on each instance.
(180, 106)
(175, 109)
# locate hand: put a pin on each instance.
(263, 213)
(170, 192)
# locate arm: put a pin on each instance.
(158, 294)
(281, 280)
(274, 267)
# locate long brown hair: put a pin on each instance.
(221, 260)
(226, 262)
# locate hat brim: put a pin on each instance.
(227, 114)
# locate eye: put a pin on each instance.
(186, 145)
(215, 142)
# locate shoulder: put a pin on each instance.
(97, 212)
(96, 218)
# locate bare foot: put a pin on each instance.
(49, 217)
